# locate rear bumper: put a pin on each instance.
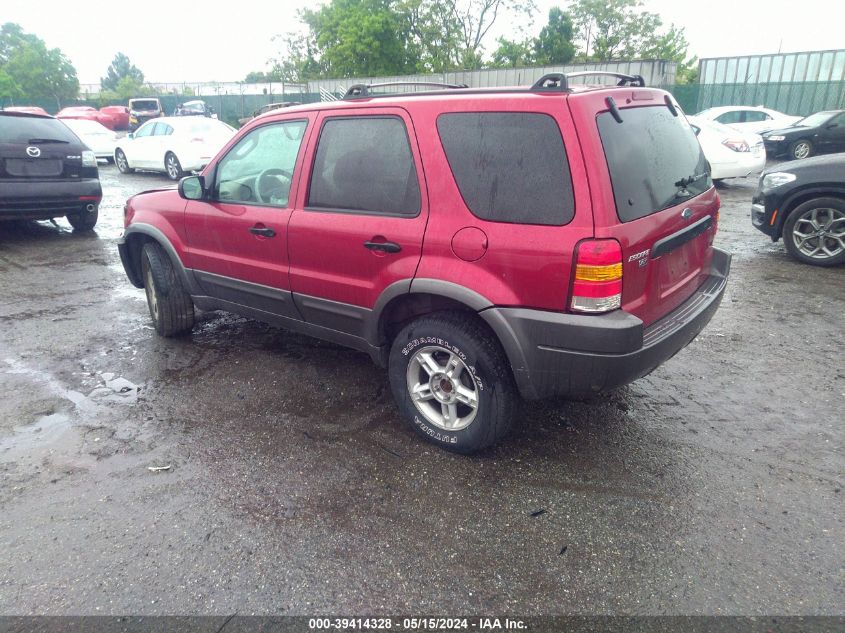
(43, 199)
(558, 354)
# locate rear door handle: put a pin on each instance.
(386, 247)
(264, 231)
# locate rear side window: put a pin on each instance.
(365, 164)
(654, 159)
(509, 166)
(24, 129)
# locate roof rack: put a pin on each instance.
(359, 91)
(559, 82)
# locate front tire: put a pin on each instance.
(171, 308)
(172, 166)
(122, 164)
(801, 148)
(85, 220)
(814, 232)
(452, 382)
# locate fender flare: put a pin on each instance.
(477, 302)
(158, 236)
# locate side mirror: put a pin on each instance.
(192, 187)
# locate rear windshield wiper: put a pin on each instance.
(47, 140)
(683, 183)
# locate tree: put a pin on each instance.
(554, 44)
(512, 54)
(347, 38)
(30, 70)
(359, 37)
(621, 29)
(260, 76)
(120, 68)
(475, 18)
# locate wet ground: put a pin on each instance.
(248, 469)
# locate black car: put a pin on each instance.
(804, 201)
(46, 172)
(194, 108)
(819, 133)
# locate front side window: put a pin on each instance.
(509, 166)
(365, 164)
(654, 160)
(259, 168)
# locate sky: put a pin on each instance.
(216, 41)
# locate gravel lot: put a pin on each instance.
(712, 486)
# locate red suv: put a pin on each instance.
(481, 244)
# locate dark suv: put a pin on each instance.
(46, 172)
(481, 244)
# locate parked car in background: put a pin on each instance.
(556, 254)
(755, 119)
(173, 145)
(819, 133)
(46, 172)
(98, 138)
(731, 154)
(267, 108)
(79, 112)
(142, 110)
(117, 117)
(112, 117)
(26, 109)
(804, 202)
(195, 108)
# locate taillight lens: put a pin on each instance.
(736, 144)
(598, 276)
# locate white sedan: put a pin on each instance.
(755, 119)
(173, 145)
(731, 154)
(96, 136)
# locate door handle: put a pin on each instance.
(386, 247)
(264, 231)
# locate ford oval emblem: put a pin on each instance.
(686, 214)
(33, 151)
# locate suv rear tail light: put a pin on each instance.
(598, 276)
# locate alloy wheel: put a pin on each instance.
(442, 388)
(820, 233)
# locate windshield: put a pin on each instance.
(144, 104)
(819, 118)
(654, 159)
(195, 106)
(24, 129)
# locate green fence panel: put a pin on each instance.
(798, 98)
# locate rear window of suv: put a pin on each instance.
(654, 159)
(34, 130)
(509, 166)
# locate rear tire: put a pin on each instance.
(122, 164)
(814, 232)
(171, 308)
(85, 220)
(172, 166)
(452, 382)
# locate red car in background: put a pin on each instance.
(119, 115)
(112, 117)
(27, 110)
